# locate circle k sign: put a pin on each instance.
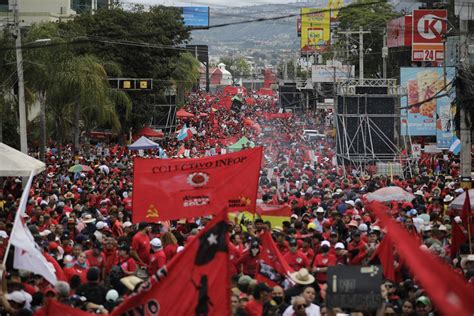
(429, 25)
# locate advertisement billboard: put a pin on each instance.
(196, 17)
(422, 113)
(399, 32)
(429, 26)
(315, 30)
(325, 73)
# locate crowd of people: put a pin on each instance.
(83, 221)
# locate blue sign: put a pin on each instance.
(196, 16)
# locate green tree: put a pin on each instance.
(372, 18)
(238, 67)
(185, 75)
(141, 42)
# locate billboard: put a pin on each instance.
(429, 26)
(196, 17)
(399, 32)
(315, 30)
(325, 73)
(421, 111)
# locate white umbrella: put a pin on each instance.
(388, 194)
(458, 203)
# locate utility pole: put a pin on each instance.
(361, 33)
(464, 112)
(384, 55)
(21, 82)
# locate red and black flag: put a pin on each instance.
(272, 267)
(195, 282)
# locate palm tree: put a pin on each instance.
(185, 75)
(84, 79)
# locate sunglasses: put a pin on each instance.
(300, 306)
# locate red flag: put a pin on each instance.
(195, 282)
(272, 267)
(384, 252)
(168, 189)
(458, 238)
(466, 215)
(449, 292)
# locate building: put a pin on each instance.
(220, 75)
(35, 11)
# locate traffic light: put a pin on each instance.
(131, 83)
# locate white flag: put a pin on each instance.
(28, 255)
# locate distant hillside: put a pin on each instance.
(267, 36)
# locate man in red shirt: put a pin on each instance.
(96, 258)
(296, 258)
(322, 261)
(157, 258)
(261, 295)
(141, 244)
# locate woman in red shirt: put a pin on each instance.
(170, 245)
(79, 267)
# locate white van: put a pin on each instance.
(312, 134)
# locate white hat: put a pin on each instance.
(20, 297)
(458, 219)
(111, 296)
(320, 210)
(442, 228)
(294, 216)
(448, 198)
(419, 192)
(459, 190)
(350, 202)
(87, 218)
(426, 228)
(375, 228)
(338, 191)
(156, 243)
(325, 242)
(127, 224)
(100, 225)
(363, 227)
(45, 233)
(3, 234)
(470, 258)
(339, 245)
(179, 249)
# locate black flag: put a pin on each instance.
(211, 242)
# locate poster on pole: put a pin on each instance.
(425, 110)
(315, 30)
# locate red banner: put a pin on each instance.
(194, 282)
(168, 189)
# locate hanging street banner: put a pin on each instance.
(429, 26)
(315, 30)
(169, 189)
(423, 112)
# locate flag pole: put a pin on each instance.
(24, 195)
(469, 213)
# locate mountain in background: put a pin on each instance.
(271, 38)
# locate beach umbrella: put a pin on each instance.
(388, 194)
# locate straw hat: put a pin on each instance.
(302, 277)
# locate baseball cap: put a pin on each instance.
(423, 300)
(325, 242)
(339, 245)
(100, 225)
(156, 243)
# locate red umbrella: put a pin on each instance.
(182, 113)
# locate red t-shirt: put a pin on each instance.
(141, 244)
(170, 251)
(111, 258)
(157, 261)
(128, 264)
(76, 270)
(296, 260)
(254, 308)
(322, 261)
(98, 262)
